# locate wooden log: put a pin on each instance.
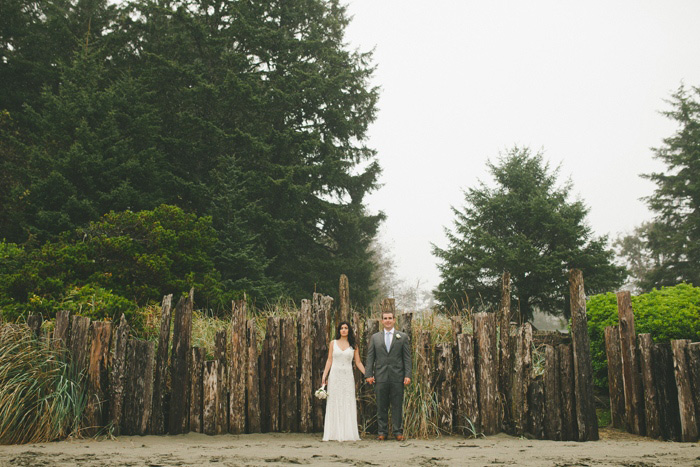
(651, 402)
(689, 428)
(117, 373)
(586, 419)
(443, 385)
(536, 405)
(160, 380)
(222, 409)
(61, 331)
(237, 368)
(253, 381)
(487, 370)
(504, 357)
(211, 391)
(289, 413)
(666, 390)
(264, 383)
(468, 418)
(138, 386)
(197, 359)
(694, 371)
(631, 378)
(615, 383)
(97, 377)
(34, 324)
(272, 337)
(344, 298)
(405, 324)
(566, 390)
(388, 305)
(552, 395)
(522, 368)
(79, 342)
(179, 365)
(306, 388)
(321, 307)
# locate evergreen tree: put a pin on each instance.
(527, 226)
(674, 237)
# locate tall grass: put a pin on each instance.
(42, 397)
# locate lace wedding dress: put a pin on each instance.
(341, 413)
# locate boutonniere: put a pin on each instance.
(398, 336)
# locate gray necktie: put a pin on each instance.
(387, 339)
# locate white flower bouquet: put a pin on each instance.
(321, 393)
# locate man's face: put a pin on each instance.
(388, 320)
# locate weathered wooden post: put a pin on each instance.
(651, 403)
(79, 342)
(289, 361)
(61, 331)
(487, 370)
(253, 380)
(222, 409)
(160, 381)
(522, 368)
(667, 391)
(566, 391)
(138, 386)
(552, 393)
(467, 397)
(405, 324)
(321, 307)
(34, 324)
(689, 428)
(443, 385)
(358, 326)
(117, 374)
(536, 403)
(586, 418)
(694, 371)
(630, 365)
(504, 357)
(615, 383)
(212, 385)
(197, 360)
(237, 371)
(306, 388)
(180, 382)
(272, 338)
(344, 298)
(97, 376)
(370, 402)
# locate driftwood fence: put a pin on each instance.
(483, 378)
(654, 387)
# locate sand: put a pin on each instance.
(615, 449)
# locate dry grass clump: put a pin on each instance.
(41, 396)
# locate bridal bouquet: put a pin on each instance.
(321, 392)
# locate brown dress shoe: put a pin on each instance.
(381, 437)
(400, 438)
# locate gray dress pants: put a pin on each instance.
(389, 394)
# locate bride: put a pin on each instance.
(341, 413)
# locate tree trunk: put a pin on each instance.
(552, 420)
(97, 377)
(467, 396)
(504, 360)
(651, 403)
(117, 374)
(667, 391)
(160, 381)
(443, 384)
(289, 414)
(321, 317)
(237, 370)
(344, 298)
(138, 387)
(630, 365)
(253, 380)
(568, 413)
(306, 388)
(615, 383)
(61, 332)
(197, 360)
(689, 428)
(182, 335)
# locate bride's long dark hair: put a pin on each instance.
(351, 333)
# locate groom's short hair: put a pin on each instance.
(388, 312)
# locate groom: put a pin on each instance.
(389, 358)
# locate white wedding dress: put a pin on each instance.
(341, 407)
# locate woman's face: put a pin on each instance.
(344, 330)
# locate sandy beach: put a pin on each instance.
(614, 449)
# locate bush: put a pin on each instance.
(668, 313)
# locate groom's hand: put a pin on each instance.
(406, 381)
(370, 380)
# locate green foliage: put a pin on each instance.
(527, 226)
(41, 396)
(251, 112)
(670, 245)
(666, 313)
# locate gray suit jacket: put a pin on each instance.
(392, 366)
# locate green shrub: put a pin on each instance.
(668, 313)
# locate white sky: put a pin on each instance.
(464, 80)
